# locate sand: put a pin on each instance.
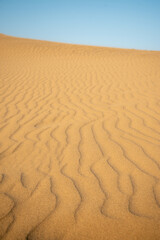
(79, 142)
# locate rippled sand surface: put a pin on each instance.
(79, 142)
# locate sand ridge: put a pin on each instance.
(79, 142)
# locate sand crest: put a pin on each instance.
(79, 142)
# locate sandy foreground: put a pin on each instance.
(79, 142)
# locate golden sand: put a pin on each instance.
(80, 142)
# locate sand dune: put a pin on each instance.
(79, 142)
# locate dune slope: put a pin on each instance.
(79, 142)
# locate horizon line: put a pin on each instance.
(79, 44)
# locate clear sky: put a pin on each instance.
(112, 23)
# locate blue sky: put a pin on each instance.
(112, 23)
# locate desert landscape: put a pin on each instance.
(79, 142)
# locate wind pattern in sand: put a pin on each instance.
(79, 142)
